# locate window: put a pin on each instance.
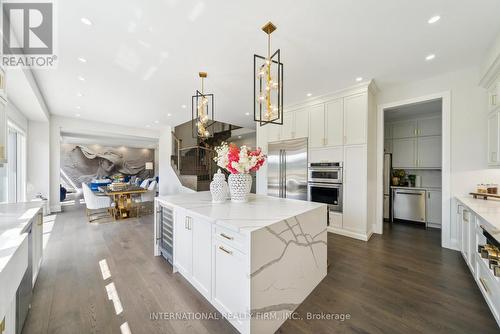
(13, 173)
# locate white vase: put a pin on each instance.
(239, 187)
(219, 188)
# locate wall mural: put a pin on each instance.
(83, 163)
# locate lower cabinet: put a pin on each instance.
(465, 244)
(434, 208)
(192, 251)
(230, 280)
(355, 192)
(37, 244)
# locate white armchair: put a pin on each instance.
(94, 202)
(145, 184)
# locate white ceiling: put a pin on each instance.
(143, 56)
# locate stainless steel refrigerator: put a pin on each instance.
(287, 169)
(387, 185)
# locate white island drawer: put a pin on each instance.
(231, 238)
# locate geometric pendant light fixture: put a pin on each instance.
(202, 111)
(268, 84)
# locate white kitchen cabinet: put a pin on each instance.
(387, 145)
(355, 190)
(355, 119)
(317, 126)
(429, 126)
(493, 138)
(429, 152)
(388, 131)
(404, 152)
(434, 207)
(37, 244)
(493, 96)
(301, 123)
(404, 129)
(183, 241)
(288, 126)
(334, 123)
(230, 280)
(202, 256)
(465, 233)
(273, 132)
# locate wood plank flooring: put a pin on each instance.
(401, 282)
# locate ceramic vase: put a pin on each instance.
(219, 188)
(239, 187)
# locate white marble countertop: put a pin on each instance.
(417, 188)
(14, 221)
(260, 211)
(488, 210)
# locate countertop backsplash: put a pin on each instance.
(430, 178)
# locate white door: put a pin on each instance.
(355, 183)
(434, 207)
(355, 118)
(288, 126)
(404, 153)
(273, 132)
(429, 152)
(334, 123)
(183, 241)
(317, 126)
(230, 280)
(404, 129)
(429, 126)
(301, 123)
(202, 256)
(493, 128)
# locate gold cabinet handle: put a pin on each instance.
(483, 283)
(225, 250)
(226, 236)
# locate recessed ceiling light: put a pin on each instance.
(247, 113)
(77, 115)
(309, 94)
(358, 79)
(434, 19)
(239, 137)
(184, 106)
(81, 59)
(86, 21)
(79, 94)
(81, 78)
(156, 122)
(148, 126)
(78, 107)
(169, 115)
(430, 57)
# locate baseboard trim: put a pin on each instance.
(345, 233)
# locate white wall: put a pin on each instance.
(38, 162)
(469, 164)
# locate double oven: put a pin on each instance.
(325, 184)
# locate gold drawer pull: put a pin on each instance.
(226, 236)
(483, 283)
(225, 250)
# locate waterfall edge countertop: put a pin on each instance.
(488, 210)
(15, 220)
(260, 210)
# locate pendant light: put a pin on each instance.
(268, 84)
(202, 111)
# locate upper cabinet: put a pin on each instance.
(3, 132)
(493, 138)
(301, 123)
(288, 126)
(355, 119)
(404, 129)
(429, 126)
(317, 126)
(494, 96)
(294, 126)
(334, 123)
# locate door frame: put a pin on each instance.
(446, 239)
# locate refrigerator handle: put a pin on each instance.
(279, 173)
(284, 174)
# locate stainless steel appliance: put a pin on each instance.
(24, 292)
(287, 169)
(164, 234)
(387, 185)
(325, 184)
(409, 204)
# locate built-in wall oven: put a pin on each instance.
(325, 184)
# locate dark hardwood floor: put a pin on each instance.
(401, 282)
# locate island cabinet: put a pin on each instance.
(254, 262)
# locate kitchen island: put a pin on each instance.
(21, 244)
(255, 261)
